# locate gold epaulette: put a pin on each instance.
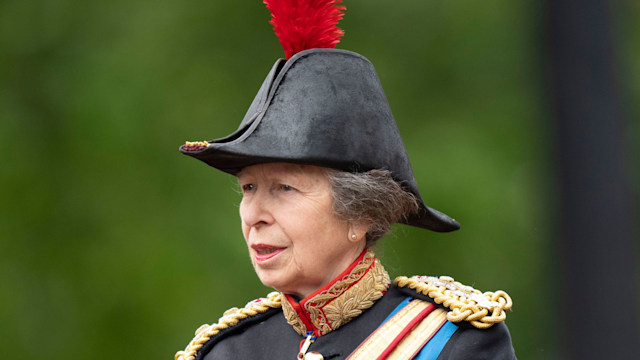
(464, 303)
(230, 318)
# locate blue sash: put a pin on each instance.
(434, 347)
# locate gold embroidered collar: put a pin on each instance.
(341, 300)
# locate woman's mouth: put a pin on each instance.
(266, 252)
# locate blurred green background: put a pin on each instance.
(112, 244)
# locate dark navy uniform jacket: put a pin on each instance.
(269, 336)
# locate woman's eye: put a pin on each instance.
(286, 187)
(248, 187)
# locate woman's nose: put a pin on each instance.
(256, 210)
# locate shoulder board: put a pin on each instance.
(464, 303)
(230, 318)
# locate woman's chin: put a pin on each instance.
(278, 282)
(287, 284)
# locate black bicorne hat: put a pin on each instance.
(321, 107)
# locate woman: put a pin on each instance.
(324, 174)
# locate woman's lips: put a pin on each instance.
(266, 252)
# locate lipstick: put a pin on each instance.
(265, 252)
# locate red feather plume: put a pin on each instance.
(306, 24)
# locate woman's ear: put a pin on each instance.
(358, 231)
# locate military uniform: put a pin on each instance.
(326, 107)
(345, 313)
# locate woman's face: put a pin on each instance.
(295, 241)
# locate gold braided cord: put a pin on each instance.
(465, 303)
(230, 318)
(198, 143)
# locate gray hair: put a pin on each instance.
(372, 197)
